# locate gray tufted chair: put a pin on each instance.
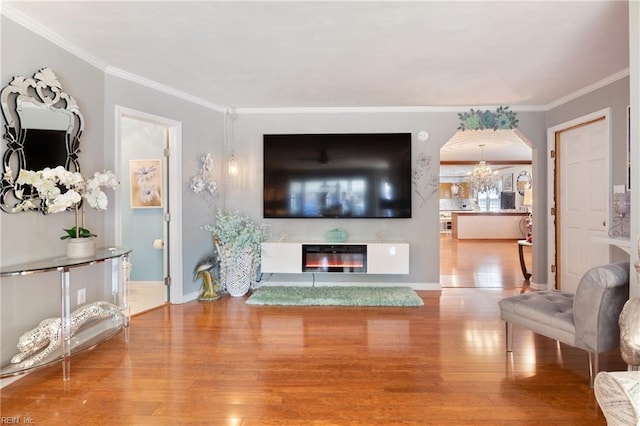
(587, 320)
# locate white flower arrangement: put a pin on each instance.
(237, 239)
(238, 232)
(59, 189)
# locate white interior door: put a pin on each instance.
(583, 195)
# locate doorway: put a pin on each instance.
(149, 198)
(485, 262)
(579, 191)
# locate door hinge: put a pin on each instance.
(167, 217)
(553, 269)
(552, 153)
(167, 152)
(167, 281)
(553, 211)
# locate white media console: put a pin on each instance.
(353, 257)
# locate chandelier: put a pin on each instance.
(482, 178)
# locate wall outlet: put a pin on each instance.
(82, 296)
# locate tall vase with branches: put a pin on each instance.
(237, 238)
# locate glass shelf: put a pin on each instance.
(93, 332)
(85, 339)
(56, 263)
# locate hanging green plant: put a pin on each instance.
(503, 118)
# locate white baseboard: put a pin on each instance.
(189, 297)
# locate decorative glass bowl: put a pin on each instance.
(337, 235)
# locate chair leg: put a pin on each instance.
(509, 336)
(593, 367)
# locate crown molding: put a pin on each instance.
(390, 109)
(134, 78)
(588, 89)
(49, 35)
(54, 38)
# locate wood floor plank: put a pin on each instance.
(228, 363)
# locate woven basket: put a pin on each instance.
(237, 273)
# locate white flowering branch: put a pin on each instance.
(59, 189)
(203, 182)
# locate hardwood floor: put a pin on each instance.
(481, 263)
(229, 363)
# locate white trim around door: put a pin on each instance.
(551, 143)
(175, 192)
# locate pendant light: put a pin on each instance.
(230, 116)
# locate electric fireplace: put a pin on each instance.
(334, 258)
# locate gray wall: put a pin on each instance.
(616, 97)
(202, 132)
(421, 231)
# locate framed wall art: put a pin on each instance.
(145, 177)
(507, 182)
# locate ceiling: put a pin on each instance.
(351, 54)
(337, 54)
(493, 146)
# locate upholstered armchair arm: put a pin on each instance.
(630, 332)
(618, 395)
(599, 299)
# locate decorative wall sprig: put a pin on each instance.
(503, 118)
(425, 181)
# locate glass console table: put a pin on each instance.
(69, 345)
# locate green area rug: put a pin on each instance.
(335, 296)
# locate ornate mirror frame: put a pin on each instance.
(523, 181)
(42, 127)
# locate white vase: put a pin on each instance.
(81, 248)
(236, 272)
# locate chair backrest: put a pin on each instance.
(600, 296)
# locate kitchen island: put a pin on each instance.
(476, 225)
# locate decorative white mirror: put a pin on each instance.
(42, 128)
(523, 182)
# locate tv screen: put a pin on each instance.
(337, 175)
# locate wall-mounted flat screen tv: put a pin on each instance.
(364, 175)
